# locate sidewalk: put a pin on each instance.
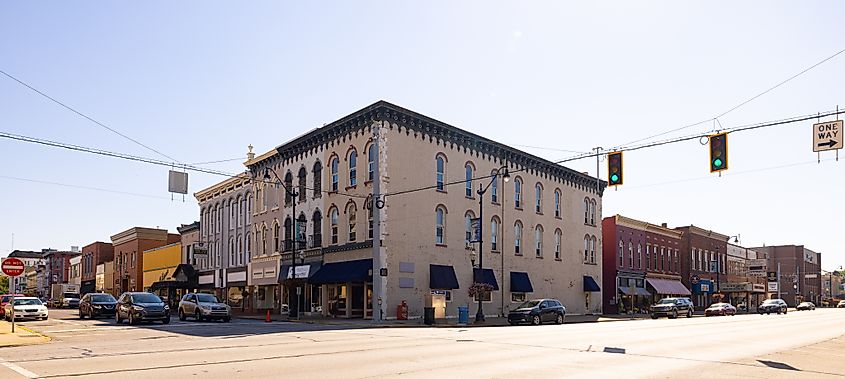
(22, 336)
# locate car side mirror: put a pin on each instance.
(542, 306)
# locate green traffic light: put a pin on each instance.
(614, 178)
(717, 162)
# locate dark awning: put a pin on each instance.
(668, 286)
(520, 282)
(285, 272)
(442, 277)
(590, 284)
(187, 269)
(173, 284)
(359, 271)
(486, 276)
(634, 291)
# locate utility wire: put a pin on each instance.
(82, 187)
(21, 82)
(220, 161)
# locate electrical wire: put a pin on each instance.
(82, 187)
(220, 161)
(21, 82)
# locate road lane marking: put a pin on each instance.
(18, 369)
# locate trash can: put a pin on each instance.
(428, 316)
(463, 315)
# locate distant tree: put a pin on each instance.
(4, 284)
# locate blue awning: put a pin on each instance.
(359, 271)
(590, 284)
(520, 282)
(486, 276)
(442, 277)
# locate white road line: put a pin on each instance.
(18, 369)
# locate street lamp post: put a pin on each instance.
(292, 311)
(479, 315)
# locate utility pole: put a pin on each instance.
(379, 301)
(779, 297)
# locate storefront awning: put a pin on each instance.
(520, 282)
(306, 270)
(590, 284)
(486, 276)
(442, 277)
(668, 287)
(637, 291)
(172, 284)
(359, 271)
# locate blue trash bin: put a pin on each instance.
(463, 315)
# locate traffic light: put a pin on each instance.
(719, 152)
(614, 168)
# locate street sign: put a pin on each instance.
(810, 276)
(772, 276)
(773, 287)
(12, 267)
(827, 136)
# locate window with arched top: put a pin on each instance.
(639, 256)
(468, 226)
(494, 188)
(468, 180)
(286, 190)
(557, 203)
(621, 254)
(276, 236)
(317, 174)
(335, 163)
(264, 239)
(558, 237)
(371, 162)
(333, 222)
(587, 248)
(586, 211)
(538, 198)
(440, 163)
(440, 225)
(301, 190)
(517, 238)
(288, 235)
(494, 234)
(593, 212)
(351, 216)
(538, 241)
(353, 168)
(630, 255)
(317, 230)
(517, 193)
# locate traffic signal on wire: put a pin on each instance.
(719, 152)
(614, 168)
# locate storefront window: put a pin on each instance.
(517, 297)
(265, 297)
(235, 297)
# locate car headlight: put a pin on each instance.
(95, 306)
(166, 307)
(205, 307)
(137, 308)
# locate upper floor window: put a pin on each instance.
(468, 227)
(593, 246)
(517, 193)
(538, 196)
(639, 256)
(353, 168)
(494, 189)
(241, 210)
(333, 221)
(288, 244)
(301, 190)
(335, 163)
(317, 232)
(557, 203)
(351, 216)
(558, 235)
(538, 241)
(288, 188)
(276, 236)
(592, 211)
(468, 182)
(441, 173)
(517, 238)
(440, 226)
(587, 211)
(494, 234)
(317, 173)
(370, 222)
(662, 258)
(621, 255)
(630, 255)
(371, 162)
(264, 240)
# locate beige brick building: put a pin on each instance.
(542, 225)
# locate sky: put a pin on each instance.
(199, 81)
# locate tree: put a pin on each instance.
(4, 284)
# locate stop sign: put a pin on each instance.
(12, 266)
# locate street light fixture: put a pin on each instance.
(292, 311)
(479, 315)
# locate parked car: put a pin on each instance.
(841, 304)
(536, 312)
(672, 307)
(720, 309)
(141, 306)
(26, 307)
(4, 299)
(806, 306)
(95, 305)
(202, 306)
(772, 306)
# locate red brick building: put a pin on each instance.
(800, 272)
(129, 247)
(93, 255)
(703, 263)
(57, 265)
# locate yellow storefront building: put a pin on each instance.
(159, 265)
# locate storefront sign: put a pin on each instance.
(773, 287)
(301, 272)
(704, 287)
(735, 287)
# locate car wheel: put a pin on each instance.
(559, 319)
(165, 320)
(689, 313)
(91, 314)
(227, 319)
(654, 317)
(132, 320)
(512, 323)
(535, 320)
(784, 311)
(117, 318)
(197, 315)
(81, 315)
(182, 316)
(674, 314)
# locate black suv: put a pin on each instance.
(672, 307)
(537, 312)
(772, 306)
(141, 306)
(97, 304)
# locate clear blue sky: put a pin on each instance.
(200, 81)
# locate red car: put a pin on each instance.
(720, 309)
(4, 299)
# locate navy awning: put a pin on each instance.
(442, 277)
(590, 284)
(486, 276)
(359, 271)
(520, 282)
(285, 271)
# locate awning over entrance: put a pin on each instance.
(306, 270)
(636, 291)
(668, 287)
(520, 282)
(590, 284)
(442, 277)
(172, 284)
(359, 271)
(486, 276)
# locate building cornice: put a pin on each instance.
(648, 227)
(231, 184)
(138, 233)
(705, 232)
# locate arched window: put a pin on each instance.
(557, 203)
(494, 188)
(517, 193)
(592, 212)
(648, 257)
(264, 239)
(241, 210)
(538, 196)
(317, 173)
(249, 210)
(353, 168)
(494, 234)
(301, 190)
(441, 173)
(468, 178)
(233, 212)
(351, 216)
(593, 250)
(558, 235)
(371, 162)
(440, 226)
(630, 254)
(587, 248)
(335, 163)
(517, 238)
(468, 226)
(299, 230)
(259, 191)
(232, 251)
(214, 220)
(288, 186)
(334, 225)
(621, 255)
(288, 234)
(276, 236)
(538, 241)
(639, 256)
(248, 241)
(586, 211)
(240, 250)
(317, 233)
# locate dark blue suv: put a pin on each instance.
(536, 312)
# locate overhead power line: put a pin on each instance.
(68, 185)
(21, 82)
(220, 161)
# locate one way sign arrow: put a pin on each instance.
(828, 135)
(830, 143)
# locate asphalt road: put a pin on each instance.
(740, 346)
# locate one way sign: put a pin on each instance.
(827, 136)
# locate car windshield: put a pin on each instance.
(103, 298)
(717, 305)
(27, 302)
(206, 298)
(5, 299)
(529, 304)
(70, 295)
(145, 298)
(770, 302)
(666, 301)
